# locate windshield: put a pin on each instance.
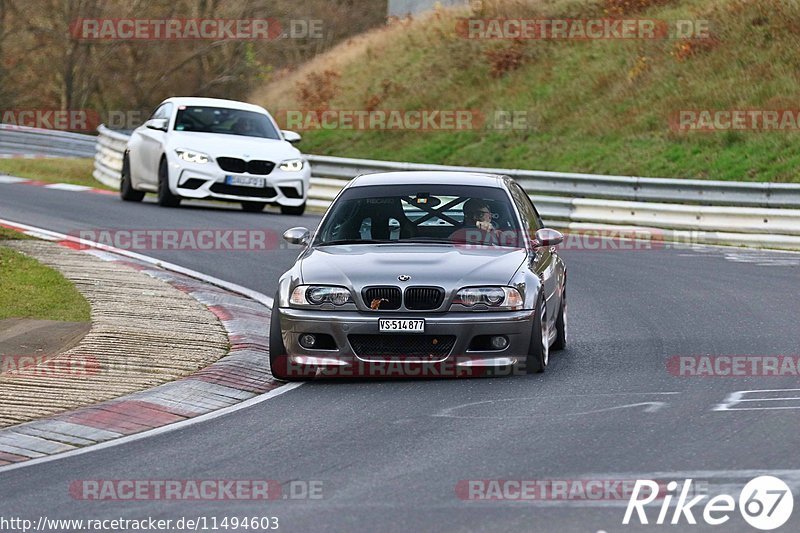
(226, 121)
(451, 214)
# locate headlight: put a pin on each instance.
(292, 165)
(192, 157)
(494, 297)
(317, 295)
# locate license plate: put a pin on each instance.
(399, 324)
(245, 181)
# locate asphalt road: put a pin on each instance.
(390, 454)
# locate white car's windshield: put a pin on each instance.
(225, 121)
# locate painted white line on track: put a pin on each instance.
(255, 295)
(11, 179)
(68, 187)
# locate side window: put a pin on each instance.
(157, 112)
(529, 214)
(162, 111)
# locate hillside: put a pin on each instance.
(601, 106)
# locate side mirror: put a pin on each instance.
(157, 124)
(291, 136)
(297, 235)
(547, 237)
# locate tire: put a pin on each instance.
(295, 210)
(278, 358)
(253, 207)
(539, 349)
(561, 324)
(126, 190)
(165, 196)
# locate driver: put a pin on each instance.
(477, 214)
(244, 126)
(478, 226)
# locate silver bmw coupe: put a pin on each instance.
(421, 273)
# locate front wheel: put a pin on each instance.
(561, 324)
(278, 358)
(295, 210)
(539, 348)
(126, 190)
(165, 196)
(253, 207)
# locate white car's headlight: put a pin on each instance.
(494, 297)
(191, 156)
(292, 165)
(319, 294)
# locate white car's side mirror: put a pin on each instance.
(157, 124)
(291, 136)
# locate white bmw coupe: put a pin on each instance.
(206, 148)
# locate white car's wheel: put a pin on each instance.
(165, 196)
(126, 190)
(296, 210)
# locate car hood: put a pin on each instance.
(219, 145)
(447, 266)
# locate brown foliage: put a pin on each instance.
(318, 90)
(621, 8)
(505, 58)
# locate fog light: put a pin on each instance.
(307, 340)
(498, 342)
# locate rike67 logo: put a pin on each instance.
(765, 503)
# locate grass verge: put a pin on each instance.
(29, 289)
(55, 170)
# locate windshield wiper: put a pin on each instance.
(355, 241)
(427, 241)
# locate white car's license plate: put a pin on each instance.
(245, 181)
(400, 324)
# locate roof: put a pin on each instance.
(214, 102)
(428, 177)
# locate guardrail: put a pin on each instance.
(22, 141)
(693, 211)
(108, 156)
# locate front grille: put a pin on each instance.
(240, 166)
(422, 298)
(398, 346)
(238, 190)
(389, 298)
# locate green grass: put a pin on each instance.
(56, 170)
(592, 106)
(7, 234)
(29, 289)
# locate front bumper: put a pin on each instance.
(516, 326)
(208, 182)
